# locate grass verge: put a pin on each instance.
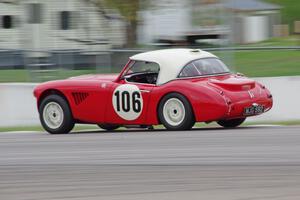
(78, 127)
(81, 127)
(250, 63)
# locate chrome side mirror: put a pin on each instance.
(240, 74)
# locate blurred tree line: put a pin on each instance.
(129, 10)
(290, 11)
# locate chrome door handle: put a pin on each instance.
(146, 91)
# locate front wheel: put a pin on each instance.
(108, 127)
(55, 115)
(175, 112)
(231, 123)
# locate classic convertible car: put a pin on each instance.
(173, 87)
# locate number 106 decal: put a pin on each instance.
(128, 101)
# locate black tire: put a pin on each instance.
(188, 120)
(67, 122)
(108, 127)
(231, 123)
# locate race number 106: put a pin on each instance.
(126, 102)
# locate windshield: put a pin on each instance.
(142, 67)
(203, 67)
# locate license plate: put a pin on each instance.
(254, 110)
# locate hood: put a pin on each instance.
(106, 77)
(84, 81)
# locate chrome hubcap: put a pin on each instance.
(174, 111)
(53, 115)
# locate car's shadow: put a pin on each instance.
(137, 130)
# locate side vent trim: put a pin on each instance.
(79, 97)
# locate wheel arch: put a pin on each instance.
(57, 96)
(48, 92)
(173, 92)
(202, 98)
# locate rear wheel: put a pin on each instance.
(175, 112)
(55, 115)
(231, 123)
(108, 127)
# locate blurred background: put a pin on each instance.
(43, 40)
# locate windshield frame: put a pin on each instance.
(206, 75)
(130, 64)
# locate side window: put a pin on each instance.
(202, 67)
(189, 70)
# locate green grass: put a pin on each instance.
(21, 128)
(16, 75)
(22, 75)
(292, 40)
(82, 127)
(78, 127)
(263, 63)
(267, 63)
(283, 123)
(251, 63)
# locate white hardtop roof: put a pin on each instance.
(171, 61)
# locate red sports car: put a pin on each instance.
(173, 87)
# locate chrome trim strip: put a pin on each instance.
(146, 91)
(203, 76)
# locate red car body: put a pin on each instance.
(212, 98)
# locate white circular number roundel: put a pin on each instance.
(128, 101)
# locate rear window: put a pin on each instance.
(203, 67)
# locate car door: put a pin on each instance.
(129, 99)
(128, 103)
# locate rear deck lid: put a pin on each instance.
(234, 83)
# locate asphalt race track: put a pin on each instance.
(246, 164)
